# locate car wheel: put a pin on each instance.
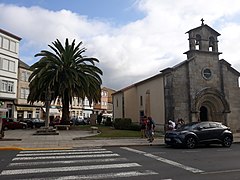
(227, 141)
(24, 127)
(5, 128)
(191, 142)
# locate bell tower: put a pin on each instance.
(202, 39)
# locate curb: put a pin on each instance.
(29, 149)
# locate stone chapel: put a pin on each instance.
(201, 88)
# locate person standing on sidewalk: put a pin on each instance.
(150, 129)
(143, 123)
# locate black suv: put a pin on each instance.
(195, 133)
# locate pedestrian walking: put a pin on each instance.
(143, 122)
(150, 129)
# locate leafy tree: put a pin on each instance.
(65, 73)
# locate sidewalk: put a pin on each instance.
(25, 140)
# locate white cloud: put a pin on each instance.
(136, 50)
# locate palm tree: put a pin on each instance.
(65, 73)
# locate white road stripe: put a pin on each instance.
(191, 169)
(102, 176)
(65, 157)
(68, 169)
(63, 153)
(224, 150)
(67, 150)
(25, 164)
(224, 171)
(191, 151)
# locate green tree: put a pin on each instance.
(67, 74)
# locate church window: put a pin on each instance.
(141, 100)
(207, 73)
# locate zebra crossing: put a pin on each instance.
(94, 163)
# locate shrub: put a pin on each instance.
(135, 127)
(108, 122)
(122, 123)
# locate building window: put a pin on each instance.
(24, 93)
(104, 103)
(25, 75)
(12, 46)
(29, 114)
(7, 86)
(37, 113)
(74, 101)
(104, 93)
(141, 100)
(1, 41)
(11, 66)
(6, 43)
(207, 73)
(7, 65)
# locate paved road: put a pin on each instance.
(126, 162)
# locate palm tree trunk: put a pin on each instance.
(65, 110)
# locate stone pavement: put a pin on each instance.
(25, 140)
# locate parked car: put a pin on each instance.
(55, 122)
(79, 121)
(192, 134)
(34, 122)
(11, 123)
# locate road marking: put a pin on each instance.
(66, 157)
(68, 169)
(224, 150)
(219, 172)
(31, 164)
(191, 169)
(68, 150)
(190, 151)
(102, 176)
(63, 153)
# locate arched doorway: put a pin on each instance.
(210, 105)
(203, 113)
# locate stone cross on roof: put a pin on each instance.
(202, 21)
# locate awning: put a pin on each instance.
(24, 108)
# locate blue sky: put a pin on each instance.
(133, 39)
(118, 11)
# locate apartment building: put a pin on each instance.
(9, 56)
(23, 108)
(106, 104)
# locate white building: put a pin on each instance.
(9, 56)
